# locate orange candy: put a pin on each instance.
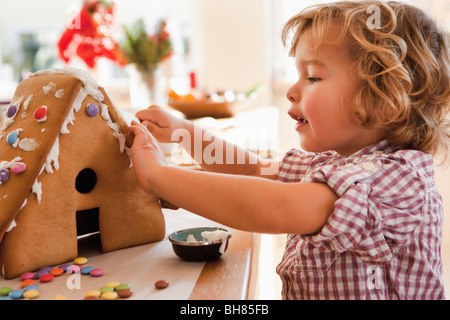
(56, 272)
(27, 282)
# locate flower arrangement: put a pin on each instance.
(89, 36)
(146, 51)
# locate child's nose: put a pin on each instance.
(292, 94)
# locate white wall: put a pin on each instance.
(232, 45)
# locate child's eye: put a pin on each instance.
(313, 79)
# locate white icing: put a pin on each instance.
(37, 189)
(52, 157)
(9, 121)
(215, 236)
(49, 87)
(28, 144)
(27, 102)
(59, 94)
(75, 108)
(89, 82)
(12, 226)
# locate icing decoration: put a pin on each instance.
(37, 189)
(8, 117)
(48, 87)
(4, 175)
(92, 110)
(18, 167)
(59, 94)
(41, 114)
(12, 110)
(52, 157)
(28, 144)
(27, 102)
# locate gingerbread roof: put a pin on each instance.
(45, 106)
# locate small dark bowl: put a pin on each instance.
(196, 251)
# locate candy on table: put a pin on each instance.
(27, 275)
(27, 282)
(80, 261)
(16, 294)
(46, 277)
(105, 289)
(56, 272)
(124, 293)
(109, 295)
(97, 272)
(60, 297)
(4, 291)
(31, 294)
(86, 270)
(31, 287)
(161, 284)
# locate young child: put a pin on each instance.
(359, 205)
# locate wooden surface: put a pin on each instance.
(234, 276)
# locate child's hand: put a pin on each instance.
(146, 155)
(160, 123)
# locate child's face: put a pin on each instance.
(322, 99)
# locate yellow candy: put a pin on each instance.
(60, 298)
(109, 295)
(80, 260)
(31, 294)
(112, 284)
(93, 293)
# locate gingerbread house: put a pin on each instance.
(65, 171)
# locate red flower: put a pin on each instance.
(89, 36)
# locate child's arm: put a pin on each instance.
(213, 153)
(242, 202)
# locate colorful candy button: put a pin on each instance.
(56, 272)
(12, 137)
(123, 286)
(109, 295)
(92, 110)
(31, 294)
(46, 278)
(105, 289)
(64, 267)
(16, 294)
(27, 282)
(4, 175)
(40, 273)
(11, 111)
(41, 114)
(80, 261)
(31, 287)
(93, 293)
(161, 284)
(97, 272)
(112, 284)
(124, 293)
(18, 167)
(59, 297)
(86, 270)
(27, 275)
(4, 291)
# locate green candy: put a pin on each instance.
(123, 286)
(5, 291)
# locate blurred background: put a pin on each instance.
(214, 46)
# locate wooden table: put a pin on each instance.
(232, 276)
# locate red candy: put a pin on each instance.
(41, 114)
(46, 278)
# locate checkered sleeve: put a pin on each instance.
(379, 207)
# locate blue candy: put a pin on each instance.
(16, 294)
(86, 270)
(12, 137)
(31, 287)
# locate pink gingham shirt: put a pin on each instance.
(383, 239)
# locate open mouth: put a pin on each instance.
(300, 120)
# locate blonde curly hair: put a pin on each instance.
(403, 65)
